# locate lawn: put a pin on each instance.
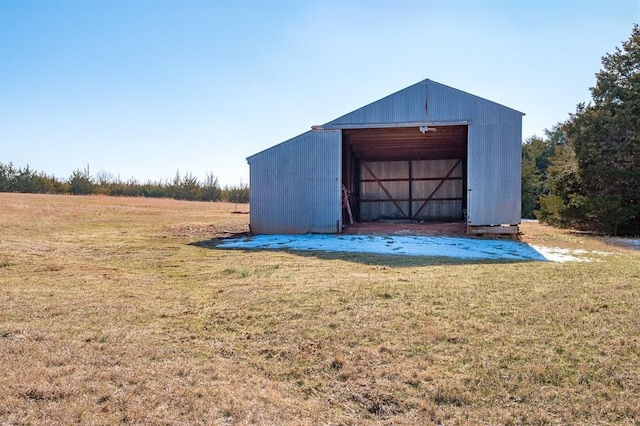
(123, 310)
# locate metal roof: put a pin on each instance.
(424, 103)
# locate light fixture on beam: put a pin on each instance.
(425, 129)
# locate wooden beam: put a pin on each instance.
(492, 230)
(412, 179)
(371, 200)
(384, 189)
(430, 197)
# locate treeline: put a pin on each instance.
(538, 153)
(585, 173)
(187, 187)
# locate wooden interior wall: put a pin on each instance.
(418, 190)
(401, 173)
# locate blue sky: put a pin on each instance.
(145, 88)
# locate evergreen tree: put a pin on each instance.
(80, 183)
(237, 193)
(7, 177)
(536, 154)
(211, 189)
(562, 205)
(190, 188)
(597, 184)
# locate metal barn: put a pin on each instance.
(428, 152)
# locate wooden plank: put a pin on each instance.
(436, 189)
(346, 204)
(410, 189)
(371, 200)
(447, 142)
(492, 230)
(385, 190)
(411, 180)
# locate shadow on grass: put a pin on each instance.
(626, 242)
(371, 259)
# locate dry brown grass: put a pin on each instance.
(117, 310)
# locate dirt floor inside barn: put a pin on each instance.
(405, 227)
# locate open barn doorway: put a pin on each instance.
(406, 173)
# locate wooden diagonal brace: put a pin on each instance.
(384, 189)
(430, 197)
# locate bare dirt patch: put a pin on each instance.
(407, 228)
(211, 231)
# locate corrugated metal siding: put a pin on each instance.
(405, 106)
(296, 186)
(447, 104)
(493, 153)
(293, 185)
(494, 172)
(426, 101)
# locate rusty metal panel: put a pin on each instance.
(296, 185)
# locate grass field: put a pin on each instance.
(120, 310)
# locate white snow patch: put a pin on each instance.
(555, 254)
(603, 253)
(462, 248)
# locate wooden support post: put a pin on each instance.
(346, 204)
(510, 230)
